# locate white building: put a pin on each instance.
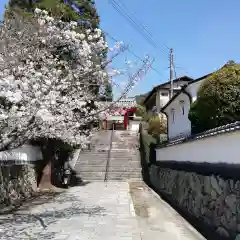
(178, 107)
(160, 94)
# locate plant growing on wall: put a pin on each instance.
(218, 99)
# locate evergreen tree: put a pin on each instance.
(82, 11)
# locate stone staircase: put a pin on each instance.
(124, 158)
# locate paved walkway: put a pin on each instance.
(97, 211)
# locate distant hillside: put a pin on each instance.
(140, 98)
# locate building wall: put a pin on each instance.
(162, 100)
(200, 177)
(177, 112)
(181, 125)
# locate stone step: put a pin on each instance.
(92, 160)
(124, 174)
(93, 179)
(124, 159)
(110, 169)
(92, 174)
(91, 168)
(125, 150)
(113, 162)
(99, 162)
(116, 178)
(92, 157)
(119, 178)
(91, 163)
(94, 154)
(89, 157)
(110, 178)
(124, 156)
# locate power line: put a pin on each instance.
(133, 53)
(124, 11)
(144, 27)
(136, 24)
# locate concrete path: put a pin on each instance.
(156, 219)
(97, 211)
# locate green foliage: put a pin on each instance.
(140, 111)
(218, 99)
(148, 116)
(58, 9)
(157, 126)
(147, 146)
(140, 98)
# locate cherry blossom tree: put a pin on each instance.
(49, 78)
(47, 74)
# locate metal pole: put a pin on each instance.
(171, 73)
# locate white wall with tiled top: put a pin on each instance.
(221, 148)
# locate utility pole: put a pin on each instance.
(171, 72)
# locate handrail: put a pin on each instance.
(109, 155)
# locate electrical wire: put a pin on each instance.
(124, 11)
(145, 28)
(139, 27)
(132, 52)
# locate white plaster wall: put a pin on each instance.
(161, 100)
(25, 153)
(193, 88)
(181, 124)
(222, 148)
(157, 103)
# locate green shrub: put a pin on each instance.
(147, 147)
(140, 111)
(218, 99)
(157, 126)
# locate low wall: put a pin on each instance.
(200, 177)
(18, 178)
(17, 182)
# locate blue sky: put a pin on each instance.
(2, 4)
(204, 34)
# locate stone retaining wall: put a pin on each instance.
(211, 199)
(17, 182)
